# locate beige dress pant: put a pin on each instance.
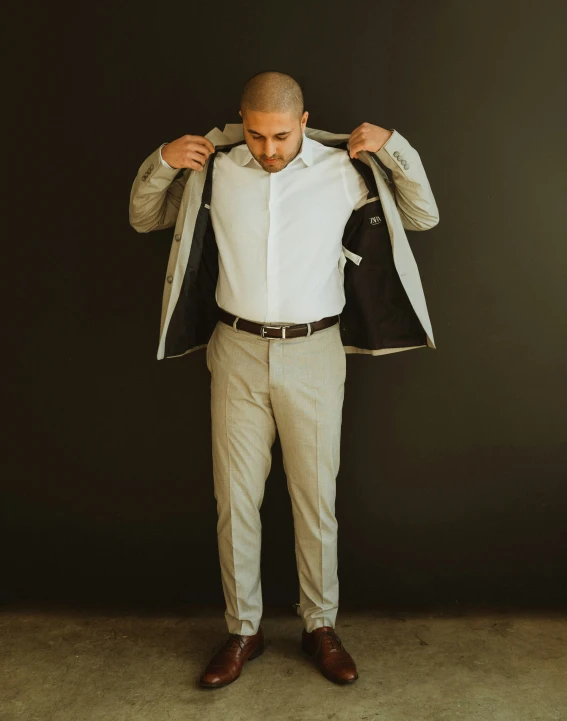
(297, 386)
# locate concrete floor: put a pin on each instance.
(65, 665)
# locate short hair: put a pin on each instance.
(272, 92)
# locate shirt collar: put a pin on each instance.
(244, 156)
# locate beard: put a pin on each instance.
(281, 162)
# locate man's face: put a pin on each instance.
(273, 135)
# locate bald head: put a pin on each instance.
(272, 92)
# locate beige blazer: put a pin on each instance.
(158, 200)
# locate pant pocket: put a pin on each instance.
(341, 352)
(208, 348)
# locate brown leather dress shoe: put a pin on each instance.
(333, 660)
(226, 665)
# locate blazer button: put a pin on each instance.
(396, 154)
(177, 236)
(170, 279)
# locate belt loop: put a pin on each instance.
(309, 329)
(234, 322)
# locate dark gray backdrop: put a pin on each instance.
(453, 480)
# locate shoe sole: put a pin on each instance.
(258, 652)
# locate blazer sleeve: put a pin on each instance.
(410, 186)
(156, 194)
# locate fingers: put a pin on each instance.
(188, 151)
(209, 144)
(353, 142)
(200, 142)
(198, 149)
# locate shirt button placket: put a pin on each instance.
(270, 300)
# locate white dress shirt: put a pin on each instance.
(279, 235)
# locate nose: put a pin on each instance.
(269, 150)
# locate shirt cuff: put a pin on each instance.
(161, 160)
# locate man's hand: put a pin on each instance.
(189, 151)
(367, 137)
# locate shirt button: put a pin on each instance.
(170, 279)
(177, 236)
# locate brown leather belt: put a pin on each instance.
(277, 331)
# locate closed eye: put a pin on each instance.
(279, 137)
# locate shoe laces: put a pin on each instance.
(232, 641)
(332, 640)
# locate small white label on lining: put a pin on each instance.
(352, 256)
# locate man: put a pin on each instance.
(280, 202)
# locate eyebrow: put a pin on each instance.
(282, 132)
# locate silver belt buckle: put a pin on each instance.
(275, 327)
